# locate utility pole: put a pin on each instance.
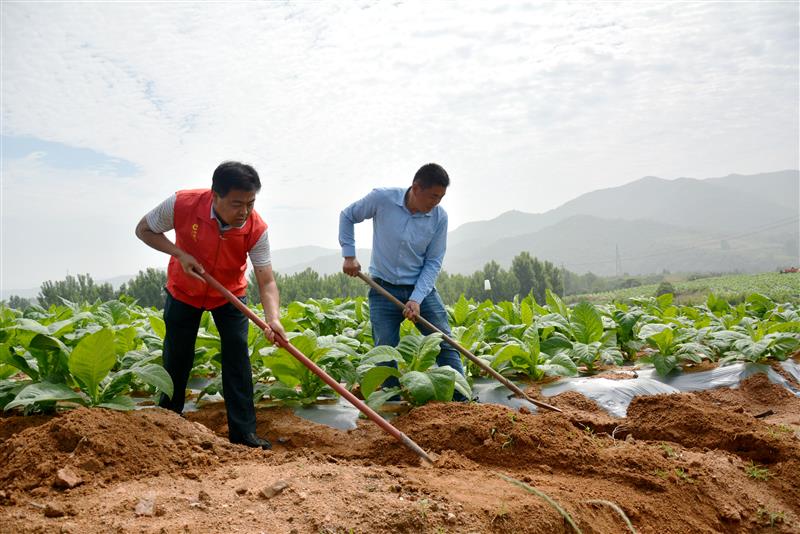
(619, 264)
(563, 280)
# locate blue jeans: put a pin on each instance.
(386, 317)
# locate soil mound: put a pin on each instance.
(755, 396)
(319, 479)
(574, 401)
(105, 445)
(495, 435)
(483, 433)
(693, 421)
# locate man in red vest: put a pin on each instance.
(215, 230)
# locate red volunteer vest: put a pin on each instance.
(222, 255)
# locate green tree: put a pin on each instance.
(17, 302)
(147, 288)
(522, 266)
(309, 284)
(75, 289)
(664, 288)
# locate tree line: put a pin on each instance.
(526, 275)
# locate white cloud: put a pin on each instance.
(527, 106)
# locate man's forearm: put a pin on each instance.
(426, 281)
(156, 241)
(271, 301)
(161, 243)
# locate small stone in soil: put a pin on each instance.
(274, 489)
(146, 506)
(52, 510)
(66, 478)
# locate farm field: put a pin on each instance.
(778, 286)
(721, 460)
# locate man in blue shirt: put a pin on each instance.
(408, 245)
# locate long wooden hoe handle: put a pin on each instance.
(341, 390)
(474, 359)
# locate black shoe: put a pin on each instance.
(252, 440)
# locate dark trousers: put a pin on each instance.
(183, 321)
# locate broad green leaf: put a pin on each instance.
(791, 326)
(587, 325)
(461, 384)
(717, 305)
(305, 343)
(29, 325)
(650, 330)
(381, 354)
(44, 392)
(559, 365)
(378, 399)
(664, 301)
(373, 378)
(556, 304)
(531, 339)
(443, 380)
(119, 384)
(556, 342)
(428, 351)
(8, 357)
(507, 352)
(158, 326)
(584, 353)
(9, 389)
(409, 347)
(280, 391)
(124, 339)
(460, 310)
(759, 304)
(285, 367)
(526, 312)
(92, 359)
(553, 320)
(45, 342)
(663, 340)
(154, 375)
(664, 364)
(120, 403)
(418, 386)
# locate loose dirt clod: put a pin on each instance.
(67, 479)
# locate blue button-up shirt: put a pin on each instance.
(407, 249)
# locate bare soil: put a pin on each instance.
(687, 463)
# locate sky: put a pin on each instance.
(108, 108)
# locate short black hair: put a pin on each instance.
(430, 175)
(234, 175)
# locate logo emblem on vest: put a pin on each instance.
(194, 232)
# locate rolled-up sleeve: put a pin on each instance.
(434, 256)
(352, 215)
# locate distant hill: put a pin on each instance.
(285, 258)
(733, 223)
(585, 243)
(745, 223)
(327, 261)
(735, 202)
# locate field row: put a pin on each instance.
(106, 354)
